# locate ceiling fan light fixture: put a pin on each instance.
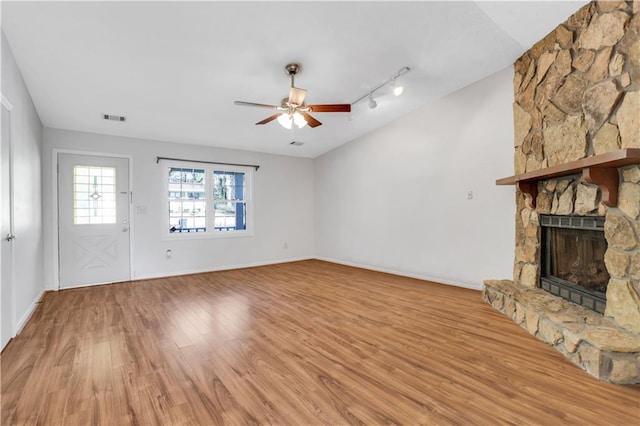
(299, 120)
(285, 121)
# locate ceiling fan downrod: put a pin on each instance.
(292, 70)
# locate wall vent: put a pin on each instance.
(114, 117)
(296, 143)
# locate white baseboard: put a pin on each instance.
(220, 268)
(297, 259)
(403, 274)
(25, 318)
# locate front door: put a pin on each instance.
(93, 219)
(7, 321)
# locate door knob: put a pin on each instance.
(10, 237)
(125, 229)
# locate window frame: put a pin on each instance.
(209, 170)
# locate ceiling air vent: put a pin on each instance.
(296, 143)
(114, 117)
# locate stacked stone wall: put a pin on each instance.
(577, 94)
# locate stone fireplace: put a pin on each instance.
(576, 278)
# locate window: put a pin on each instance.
(208, 200)
(187, 205)
(94, 195)
(229, 200)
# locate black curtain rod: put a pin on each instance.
(207, 162)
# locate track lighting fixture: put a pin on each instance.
(397, 88)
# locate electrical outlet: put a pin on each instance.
(169, 253)
(286, 245)
(470, 195)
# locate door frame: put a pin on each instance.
(54, 208)
(6, 104)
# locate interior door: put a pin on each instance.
(93, 219)
(7, 321)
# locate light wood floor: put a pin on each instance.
(301, 343)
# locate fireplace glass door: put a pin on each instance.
(577, 256)
(573, 260)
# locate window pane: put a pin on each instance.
(228, 185)
(230, 216)
(80, 204)
(241, 216)
(187, 206)
(175, 208)
(94, 199)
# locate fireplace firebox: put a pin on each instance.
(572, 259)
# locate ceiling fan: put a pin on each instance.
(292, 110)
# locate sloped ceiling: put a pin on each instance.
(175, 68)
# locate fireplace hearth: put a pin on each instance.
(572, 260)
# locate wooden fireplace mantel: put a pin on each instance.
(601, 170)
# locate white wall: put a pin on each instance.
(26, 136)
(393, 200)
(283, 206)
(396, 199)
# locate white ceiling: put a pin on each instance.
(175, 68)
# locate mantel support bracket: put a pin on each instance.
(530, 191)
(607, 180)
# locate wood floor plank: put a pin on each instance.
(304, 343)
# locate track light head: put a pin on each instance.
(397, 88)
(372, 102)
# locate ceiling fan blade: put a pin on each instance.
(296, 95)
(330, 108)
(254, 104)
(312, 122)
(269, 119)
